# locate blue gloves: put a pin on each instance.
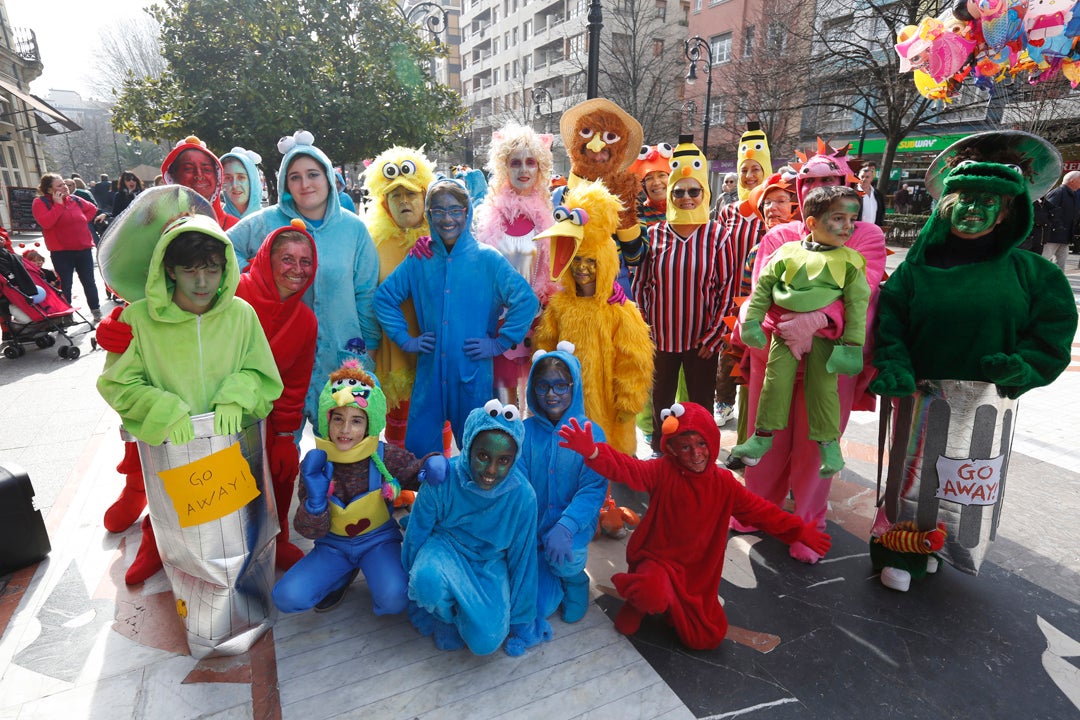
(423, 343)
(316, 470)
(522, 637)
(752, 334)
(434, 471)
(845, 360)
(483, 348)
(559, 545)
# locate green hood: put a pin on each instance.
(159, 288)
(981, 177)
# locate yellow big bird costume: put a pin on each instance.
(610, 337)
(408, 168)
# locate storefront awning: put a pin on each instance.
(47, 115)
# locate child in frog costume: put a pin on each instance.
(801, 277)
(349, 484)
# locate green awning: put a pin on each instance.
(910, 144)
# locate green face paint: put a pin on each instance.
(490, 458)
(975, 214)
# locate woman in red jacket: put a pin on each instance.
(63, 218)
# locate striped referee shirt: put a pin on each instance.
(684, 286)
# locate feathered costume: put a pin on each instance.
(676, 556)
(611, 339)
(509, 220)
(405, 168)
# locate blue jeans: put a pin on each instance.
(67, 263)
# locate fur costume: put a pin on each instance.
(351, 520)
(948, 336)
(471, 553)
(676, 556)
(391, 169)
(600, 124)
(611, 339)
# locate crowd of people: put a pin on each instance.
(529, 331)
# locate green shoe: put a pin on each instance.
(831, 459)
(754, 447)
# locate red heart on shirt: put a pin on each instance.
(357, 527)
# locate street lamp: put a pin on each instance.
(540, 96)
(596, 22)
(693, 49)
(429, 14)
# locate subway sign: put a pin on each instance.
(910, 144)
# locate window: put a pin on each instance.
(743, 106)
(526, 29)
(515, 69)
(776, 39)
(748, 41)
(495, 76)
(577, 44)
(657, 47)
(697, 5)
(721, 48)
(515, 36)
(495, 46)
(661, 9)
(716, 111)
(526, 65)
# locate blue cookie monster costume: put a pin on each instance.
(568, 493)
(459, 294)
(342, 295)
(471, 553)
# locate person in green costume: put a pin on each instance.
(801, 277)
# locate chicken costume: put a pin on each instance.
(676, 556)
(966, 326)
(398, 167)
(611, 339)
(614, 139)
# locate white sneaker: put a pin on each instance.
(896, 579)
(723, 413)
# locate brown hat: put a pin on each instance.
(571, 116)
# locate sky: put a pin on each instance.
(67, 34)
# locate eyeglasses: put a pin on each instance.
(689, 192)
(452, 212)
(560, 388)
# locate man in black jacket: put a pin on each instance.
(1065, 206)
(873, 202)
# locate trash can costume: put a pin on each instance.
(968, 323)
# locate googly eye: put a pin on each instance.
(643, 153)
(579, 216)
(493, 407)
(561, 213)
(390, 171)
(678, 410)
(665, 414)
(743, 148)
(697, 164)
(511, 413)
(610, 137)
(1016, 169)
(585, 133)
(408, 168)
(759, 146)
(286, 144)
(665, 150)
(676, 164)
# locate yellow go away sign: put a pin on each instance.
(211, 487)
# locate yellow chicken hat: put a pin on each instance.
(753, 145)
(583, 226)
(391, 169)
(687, 161)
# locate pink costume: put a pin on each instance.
(793, 461)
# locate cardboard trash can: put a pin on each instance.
(212, 506)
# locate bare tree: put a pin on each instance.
(130, 50)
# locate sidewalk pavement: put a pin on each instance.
(821, 641)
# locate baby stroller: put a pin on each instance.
(26, 322)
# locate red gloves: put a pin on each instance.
(815, 539)
(284, 456)
(113, 334)
(579, 439)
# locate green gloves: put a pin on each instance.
(752, 334)
(227, 417)
(845, 360)
(893, 381)
(182, 432)
(1007, 370)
